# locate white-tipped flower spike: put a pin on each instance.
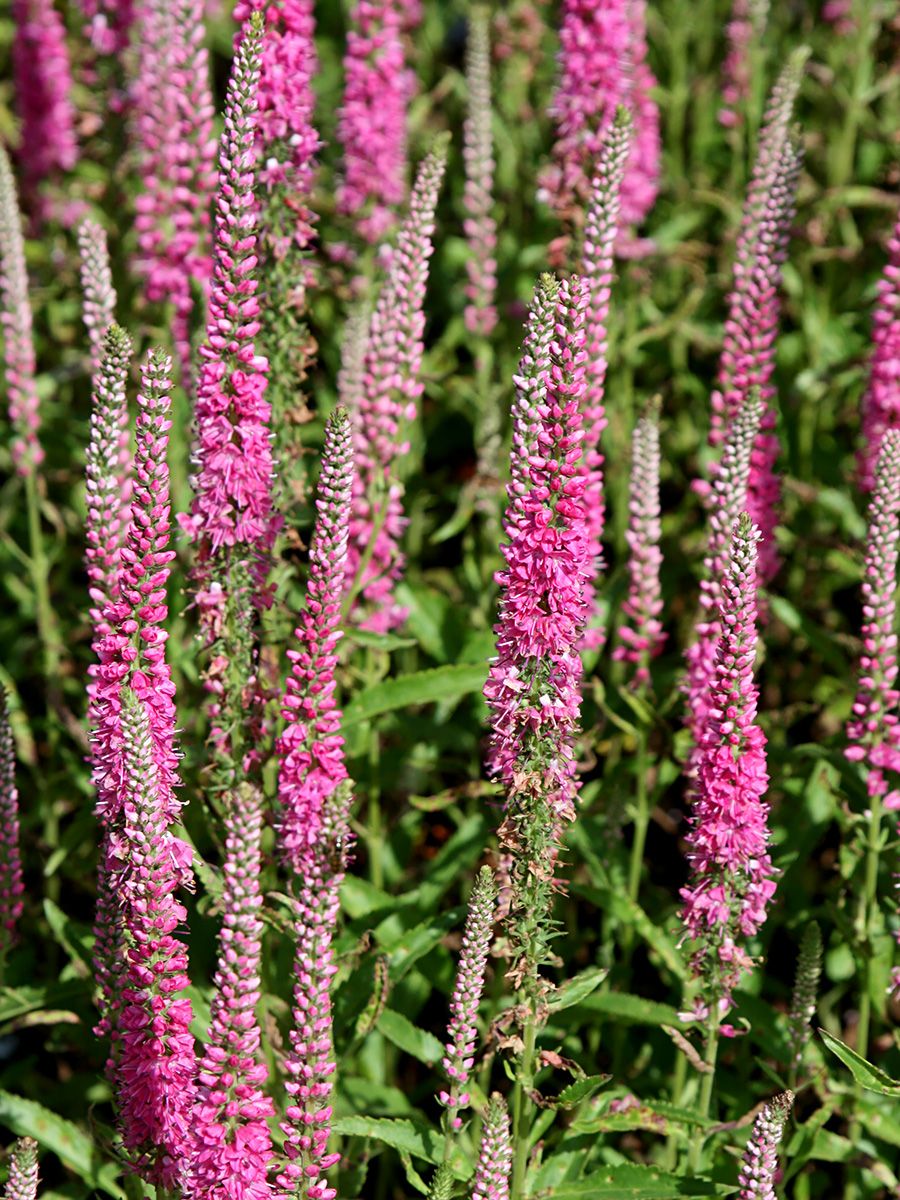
(494, 1165)
(99, 304)
(478, 151)
(760, 1164)
(23, 1171)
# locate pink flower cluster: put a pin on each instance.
(15, 321)
(881, 405)
(232, 505)
(601, 229)
(533, 685)
(743, 31)
(392, 387)
(758, 1175)
(874, 732)
(495, 1156)
(479, 225)
(97, 285)
(12, 887)
(42, 77)
(462, 1031)
(231, 1144)
(311, 747)
(603, 64)
(109, 24)
(731, 873)
(372, 122)
(641, 634)
(173, 129)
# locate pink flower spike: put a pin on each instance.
(232, 1148)
(758, 1175)
(108, 24)
(743, 31)
(881, 403)
(97, 285)
(641, 635)
(233, 512)
(22, 1182)
(372, 120)
(42, 76)
(392, 387)
(873, 733)
(15, 321)
(462, 1032)
(12, 887)
(479, 225)
(600, 232)
(155, 1070)
(311, 748)
(533, 687)
(732, 878)
(310, 1065)
(495, 1156)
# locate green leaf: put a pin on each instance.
(631, 1181)
(411, 945)
(634, 1010)
(657, 1116)
(27, 1118)
(423, 687)
(572, 1095)
(379, 641)
(18, 1002)
(870, 1077)
(75, 939)
(574, 991)
(404, 1136)
(408, 1037)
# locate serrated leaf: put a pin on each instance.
(74, 938)
(634, 1182)
(406, 1137)
(868, 1076)
(422, 687)
(655, 1117)
(575, 990)
(580, 1089)
(414, 943)
(418, 1043)
(27, 1118)
(632, 1009)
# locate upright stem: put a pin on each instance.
(521, 1106)
(867, 911)
(844, 156)
(641, 816)
(706, 1087)
(48, 630)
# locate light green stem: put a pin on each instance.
(522, 1106)
(707, 1082)
(48, 630)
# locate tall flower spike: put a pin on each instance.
(232, 1146)
(479, 225)
(759, 1169)
(494, 1165)
(806, 992)
(310, 1065)
(23, 1171)
(533, 685)
(372, 121)
(531, 385)
(729, 498)
(155, 1071)
(881, 403)
(108, 24)
(602, 65)
(873, 733)
(173, 131)
(743, 31)
(462, 1032)
(600, 232)
(641, 633)
(15, 320)
(732, 879)
(232, 512)
(12, 887)
(97, 285)
(311, 747)
(42, 76)
(393, 360)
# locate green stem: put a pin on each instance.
(679, 1079)
(521, 1121)
(844, 155)
(374, 829)
(641, 816)
(706, 1086)
(48, 630)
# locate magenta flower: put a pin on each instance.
(881, 404)
(12, 887)
(759, 1169)
(15, 321)
(97, 285)
(232, 512)
(743, 31)
(601, 229)
(462, 1032)
(533, 685)
(23, 1171)
(173, 133)
(602, 66)
(42, 77)
(494, 1166)
(393, 360)
(479, 225)
(310, 1062)
(108, 24)
(732, 878)
(311, 746)
(372, 121)
(874, 733)
(641, 633)
(232, 1148)
(155, 1068)
(729, 498)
